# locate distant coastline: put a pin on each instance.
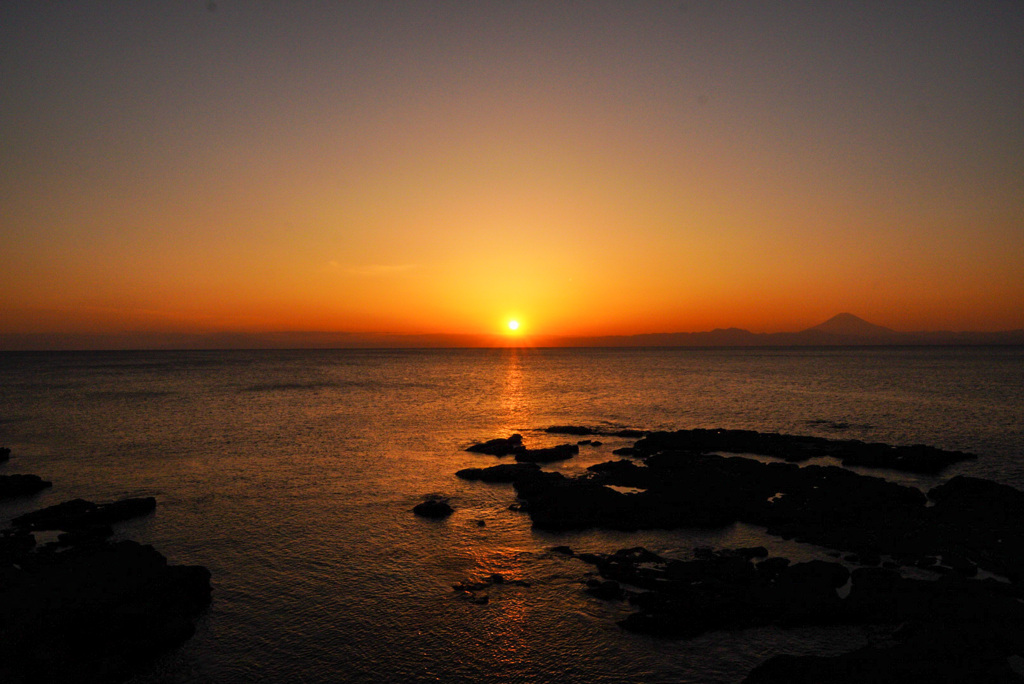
(842, 330)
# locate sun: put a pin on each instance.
(513, 325)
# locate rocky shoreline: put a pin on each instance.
(82, 608)
(954, 628)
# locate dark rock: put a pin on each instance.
(555, 502)
(433, 508)
(85, 535)
(916, 458)
(21, 485)
(622, 473)
(564, 550)
(5, 454)
(924, 652)
(505, 472)
(14, 544)
(974, 524)
(609, 590)
(629, 433)
(79, 513)
(624, 451)
(499, 447)
(546, 455)
(94, 613)
(570, 430)
(771, 568)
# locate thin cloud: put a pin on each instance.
(375, 270)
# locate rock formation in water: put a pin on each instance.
(959, 527)
(82, 609)
(513, 446)
(21, 485)
(433, 507)
(505, 472)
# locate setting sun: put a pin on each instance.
(513, 325)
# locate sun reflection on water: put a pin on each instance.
(506, 626)
(514, 406)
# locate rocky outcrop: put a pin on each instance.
(433, 508)
(499, 447)
(21, 485)
(547, 455)
(505, 472)
(917, 458)
(580, 430)
(5, 454)
(93, 612)
(920, 652)
(726, 590)
(971, 524)
(79, 513)
(82, 609)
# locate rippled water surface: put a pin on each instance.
(291, 475)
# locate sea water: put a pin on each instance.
(291, 475)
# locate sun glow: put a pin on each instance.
(513, 325)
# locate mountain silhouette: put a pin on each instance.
(844, 329)
(848, 325)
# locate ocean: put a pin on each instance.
(291, 475)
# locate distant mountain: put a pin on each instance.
(842, 330)
(847, 324)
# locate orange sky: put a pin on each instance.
(587, 168)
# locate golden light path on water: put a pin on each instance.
(513, 398)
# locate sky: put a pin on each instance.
(585, 168)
